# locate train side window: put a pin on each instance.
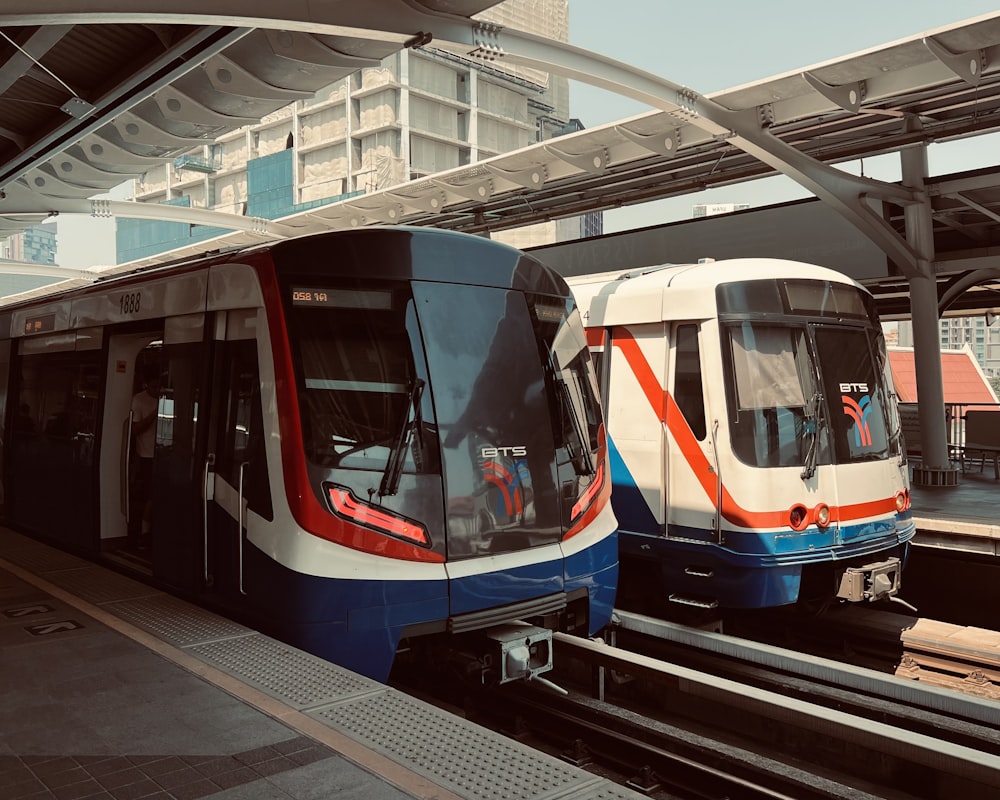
(51, 443)
(689, 393)
(243, 434)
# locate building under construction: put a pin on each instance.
(419, 112)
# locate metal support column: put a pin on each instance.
(935, 468)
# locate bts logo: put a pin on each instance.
(859, 411)
(510, 480)
(516, 451)
(854, 387)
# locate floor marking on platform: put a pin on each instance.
(45, 628)
(394, 773)
(24, 611)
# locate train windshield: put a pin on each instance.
(805, 393)
(490, 388)
(515, 397)
(362, 378)
(853, 386)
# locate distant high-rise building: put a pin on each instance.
(36, 245)
(982, 336)
(418, 113)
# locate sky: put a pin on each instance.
(707, 46)
(712, 46)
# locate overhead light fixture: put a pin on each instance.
(78, 108)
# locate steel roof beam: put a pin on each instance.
(167, 67)
(850, 195)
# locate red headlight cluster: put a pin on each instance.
(798, 517)
(346, 506)
(585, 499)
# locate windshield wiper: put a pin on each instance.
(394, 464)
(811, 427)
(583, 460)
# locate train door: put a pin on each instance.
(236, 465)
(693, 497)
(635, 413)
(127, 354)
(179, 472)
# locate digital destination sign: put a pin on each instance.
(374, 299)
(40, 324)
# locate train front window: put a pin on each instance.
(781, 416)
(501, 426)
(360, 378)
(855, 393)
(774, 394)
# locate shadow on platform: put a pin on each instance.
(977, 497)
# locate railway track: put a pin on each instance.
(960, 657)
(679, 713)
(963, 658)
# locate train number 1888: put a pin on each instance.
(130, 302)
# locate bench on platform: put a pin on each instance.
(982, 439)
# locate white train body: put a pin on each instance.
(754, 441)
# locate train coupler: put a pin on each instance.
(871, 582)
(521, 652)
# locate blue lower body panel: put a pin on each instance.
(764, 574)
(358, 624)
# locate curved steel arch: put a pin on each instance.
(960, 284)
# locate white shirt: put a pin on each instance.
(144, 404)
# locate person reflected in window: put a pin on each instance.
(23, 421)
(144, 412)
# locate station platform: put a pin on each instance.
(963, 518)
(112, 690)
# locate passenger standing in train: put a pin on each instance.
(144, 410)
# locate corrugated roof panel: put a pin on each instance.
(963, 380)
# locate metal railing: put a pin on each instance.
(954, 417)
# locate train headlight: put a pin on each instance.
(347, 507)
(902, 500)
(798, 517)
(590, 502)
(585, 499)
(822, 515)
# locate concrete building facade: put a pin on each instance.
(418, 113)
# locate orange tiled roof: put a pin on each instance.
(963, 381)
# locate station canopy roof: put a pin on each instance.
(88, 102)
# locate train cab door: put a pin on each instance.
(239, 500)
(694, 489)
(635, 359)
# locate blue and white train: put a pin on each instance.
(756, 455)
(368, 441)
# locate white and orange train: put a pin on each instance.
(753, 434)
(368, 441)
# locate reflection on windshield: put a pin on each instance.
(773, 379)
(781, 417)
(358, 372)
